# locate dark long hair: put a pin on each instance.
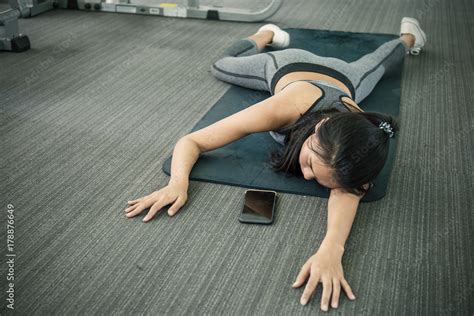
(350, 143)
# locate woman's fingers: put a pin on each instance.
(136, 211)
(302, 275)
(180, 201)
(171, 194)
(347, 289)
(131, 208)
(336, 290)
(157, 202)
(310, 288)
(158, 205)
(133, 201)
(327, 289)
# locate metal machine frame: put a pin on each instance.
(36, 7)
(12, 40)
(192, 10)
(10, 37)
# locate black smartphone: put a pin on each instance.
(259, 207)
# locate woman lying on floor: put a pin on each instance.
(313, 113)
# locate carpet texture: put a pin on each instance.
(91, 112)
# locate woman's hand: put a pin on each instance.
(324, 266)
(171, 194)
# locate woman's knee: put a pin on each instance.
(214, 72)
(218, 66)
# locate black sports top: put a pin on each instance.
(331, 98)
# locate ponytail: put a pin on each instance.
(386, 123)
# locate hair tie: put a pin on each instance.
(387, 128)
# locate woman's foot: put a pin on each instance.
(411, 26)
(408, 39)
(281, 39)
(261, 39)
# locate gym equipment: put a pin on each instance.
(191, 10)
(10, 38)
(36, 7)
(245, 163)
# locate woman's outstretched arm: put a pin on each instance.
(325, 266)
(342, 209)
(269, 114)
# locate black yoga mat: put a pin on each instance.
(245, 163)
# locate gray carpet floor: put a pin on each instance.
(90, 113)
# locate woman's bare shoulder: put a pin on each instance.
(352, 104)
(296, 98)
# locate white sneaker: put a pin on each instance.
(281, 39)
(412, 26)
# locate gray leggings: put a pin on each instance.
(243, 65)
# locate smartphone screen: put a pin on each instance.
(259, 207)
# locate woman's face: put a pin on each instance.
(311, 166)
